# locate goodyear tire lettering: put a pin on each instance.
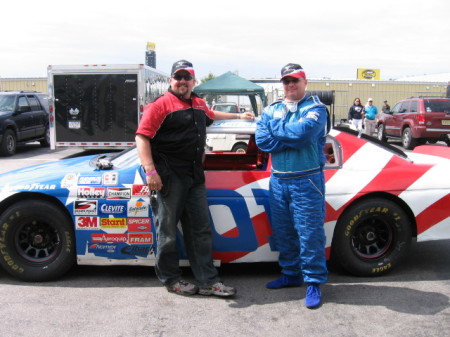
(29, 261)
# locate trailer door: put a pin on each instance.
(96, 108)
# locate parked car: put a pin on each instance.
(95, 209)
(417, 120)
(227, 107)
(226, 141)
(23, 119)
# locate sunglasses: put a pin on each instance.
(178, 77)
(286, 81)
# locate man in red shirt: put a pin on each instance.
(170, 141)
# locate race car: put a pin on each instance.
(96, 209)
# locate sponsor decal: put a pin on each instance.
(31, 187)
(91, 192)
(138, 208)
(118, 193)
(86, 222)
(85, 207)
(113, 209)
(143, 251)
(140, 190)
(113, 223)
(139, 225)
(69, 180)
(110, 178)
(110, 238)
(140, 238)
(97, 247)
(90, 180)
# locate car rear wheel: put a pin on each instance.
(371, 238)
(408, 141)
(381, 135)
(37, 241)
(239, 148)
(9, 144)
(46, 141)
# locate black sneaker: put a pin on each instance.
(183, 287)
(217, 289)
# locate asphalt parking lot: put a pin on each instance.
(413, 300)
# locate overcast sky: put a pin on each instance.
(256, 38)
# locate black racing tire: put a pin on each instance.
(239, 148)
(37, 241)
(408, 142)
(381, 133)
(9, 144)
(371, 238)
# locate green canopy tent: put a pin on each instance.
(231, 84)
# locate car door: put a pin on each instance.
(40, 116)
(23, 119)
(398, 115)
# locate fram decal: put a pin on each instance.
(140, 238)
(118, 193)
(87, 222)
(91, 192)
(85, 207)
(139, 224)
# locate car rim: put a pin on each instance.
(10, 144)
(406, 138)
(37, 241)
(372, 239)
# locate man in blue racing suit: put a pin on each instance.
(294, 132)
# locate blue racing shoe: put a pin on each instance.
(285, 281)
(313, 297)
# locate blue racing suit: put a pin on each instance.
(296, 138)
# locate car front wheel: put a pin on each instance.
(371, 238)
(37, 241)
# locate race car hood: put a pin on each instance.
(46, 176)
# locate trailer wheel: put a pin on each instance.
(9, 144)
(37, 241)
(371, 238)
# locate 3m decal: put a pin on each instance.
(87, 222)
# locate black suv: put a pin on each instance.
(23, 119)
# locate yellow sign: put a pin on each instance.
(368, 74)
(151, 46)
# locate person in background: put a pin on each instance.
(355, 114)
(170, 140)
(294, 132)
(386, 107)
(370, 117)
